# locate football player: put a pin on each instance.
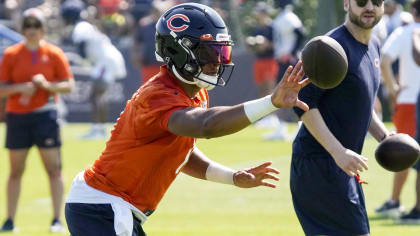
(154, 138)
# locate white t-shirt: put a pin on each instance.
(284, 37)
(108, 61)
(400, 45)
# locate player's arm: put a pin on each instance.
(390, 51)
(377, 128)
(349, 161)
(219, 121)
(388, 76)
(64, 86)
(7, 89)
(200, 166)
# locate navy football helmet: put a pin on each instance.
(189, 36)
(71, 9)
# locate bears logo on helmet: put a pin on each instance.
(178, 28)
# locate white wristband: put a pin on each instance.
(257, 109)
(220, 174)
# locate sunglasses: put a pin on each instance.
(362, 3)
(34, 25)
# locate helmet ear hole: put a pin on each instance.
(191, 68)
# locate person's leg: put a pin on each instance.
(405, 121)
(399, 180)
(413, 217)
(51, 159)
(90, 219)
(18, 142)
(17, 166)
(47, 138)
(99, 102)
(99, 110)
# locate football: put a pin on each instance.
(324, 62)
(397, 152)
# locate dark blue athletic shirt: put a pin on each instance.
(347, 108)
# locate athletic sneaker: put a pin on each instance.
(95, 134)
(412, 218)
(390, 208)
(57, 227)
(8, 226)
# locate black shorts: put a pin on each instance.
(326, 200)
(95, 219)
(39, 128)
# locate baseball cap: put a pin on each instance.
(34, 13)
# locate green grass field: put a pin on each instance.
(196, 207)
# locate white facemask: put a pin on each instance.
(201, 82)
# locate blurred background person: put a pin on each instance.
(108, 63)
(32, 73)
(265, 66)
(394, 17)
(143, 53)
(404, 91)
(288, 38)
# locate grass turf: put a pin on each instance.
(196, 207)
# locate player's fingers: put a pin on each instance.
(262, 166)
(363, 164)
(302, 105)
(299, 75)
(287, 74)
(350, 173)
(271, 170)
(270, 176)
(304, 82)
(360, 168)
(295, 71)
(263, 183)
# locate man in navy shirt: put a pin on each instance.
(325, 184)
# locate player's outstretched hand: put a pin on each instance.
(351, 162)
(256, 176)
(286, 92)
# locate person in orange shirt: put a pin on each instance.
(32, 72)
(154, 138)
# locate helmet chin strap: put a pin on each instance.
(201, 82)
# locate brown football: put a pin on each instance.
(397, 152)
(324, 62)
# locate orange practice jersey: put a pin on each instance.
(142, 157)
(19, 65)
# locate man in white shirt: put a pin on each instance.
(107, 62)
(288, 35)
(405, 91)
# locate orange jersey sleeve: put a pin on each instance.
(19, 65)
(142, 158)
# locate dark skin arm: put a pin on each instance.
(223, 120)
(247, 178)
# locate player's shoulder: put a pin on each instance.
(52, 49)
(293, 18)
(83, 28)
(14, 49)
(160, 88)
(83, 25)
(341, 35)
(338, 33)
